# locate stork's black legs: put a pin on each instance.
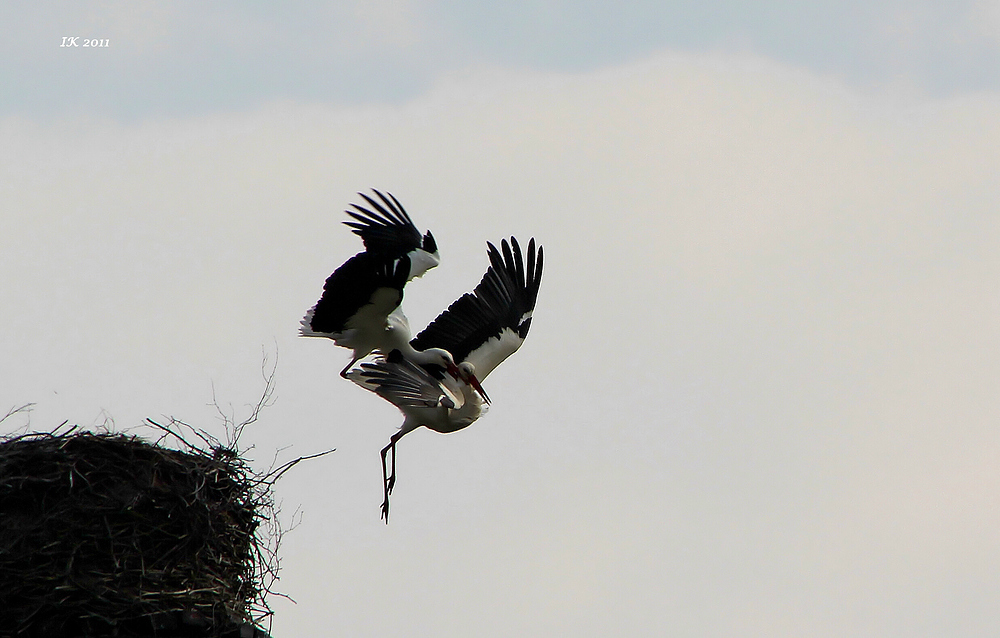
(385, 480)
(389, 479)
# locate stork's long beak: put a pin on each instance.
(471, 380)
(474, 382)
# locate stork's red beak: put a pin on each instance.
(474, 382)
(471, 380)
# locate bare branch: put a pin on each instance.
(22, 409)
(274, 475)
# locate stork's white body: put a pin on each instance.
(443, 419)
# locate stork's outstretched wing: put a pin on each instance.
(386, 228)
(486, 326)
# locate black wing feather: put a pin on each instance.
(386, 230)
(504, 295)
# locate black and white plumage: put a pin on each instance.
(488, 325)
(388, 231)
(480, 329)
(360, 306)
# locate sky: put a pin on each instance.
(759, 395)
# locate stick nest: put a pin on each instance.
(108, 534)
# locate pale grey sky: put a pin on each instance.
(185, 58)
(759, 396)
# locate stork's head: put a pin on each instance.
(467, 373)
(443, 358)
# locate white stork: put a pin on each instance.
(480, 330)
(360, 306)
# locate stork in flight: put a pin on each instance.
(480, 329)
(360, 306)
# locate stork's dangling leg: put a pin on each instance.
(385, 481)
(388, 480)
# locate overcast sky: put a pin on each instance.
(759, 396)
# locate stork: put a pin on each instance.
(360, 305)
(480, 330)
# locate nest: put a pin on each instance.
(110, 535)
